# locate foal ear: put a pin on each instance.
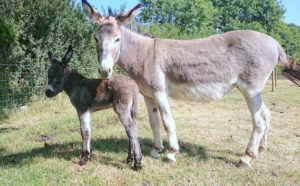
(91, 12)
(68, 56)
(130, 15)
(51, 56)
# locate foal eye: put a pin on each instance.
(117, 40)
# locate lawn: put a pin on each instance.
(41, 145)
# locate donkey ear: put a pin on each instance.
(130, 15)
(68, 56)
(51, 57)
(91, 12)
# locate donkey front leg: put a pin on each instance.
(162, 101)
(260, 118)
(131, 131)
(155, 126)
(85, 128)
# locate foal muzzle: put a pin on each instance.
(50, 92)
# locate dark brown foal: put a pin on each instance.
(90, 95)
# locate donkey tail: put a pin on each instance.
(289, 67)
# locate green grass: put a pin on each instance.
(212, 138)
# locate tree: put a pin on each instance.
(188, 16)
(260, 15)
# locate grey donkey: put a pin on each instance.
(90, 95)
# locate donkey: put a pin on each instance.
(202, 69)
(90, 95)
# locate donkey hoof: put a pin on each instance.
(154, 153)
(129, 160)
(138, 166)
(261, 148)
(242, 164)
(171, 157)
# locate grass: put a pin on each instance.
(212, 138)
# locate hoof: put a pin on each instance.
(83, 161)
(85, 158)
(137, 167)
(171, 157)
(242, 164)
(129, 160)
(261, 148)
(154, 153)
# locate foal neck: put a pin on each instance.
(72, 80)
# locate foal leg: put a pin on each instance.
(155, 125)
(260, 119)
(162, 101)
(85, 128)
(131, 131)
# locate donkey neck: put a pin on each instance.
(133, 51)
(72, 80)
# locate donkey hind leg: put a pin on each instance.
(169, 124)
(85, 128)
(131, 131)
(155, 126)
(260, 118)
(263, 142)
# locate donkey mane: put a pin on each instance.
(77, 74)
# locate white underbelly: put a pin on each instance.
(200, 92)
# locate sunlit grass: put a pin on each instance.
(212, 138)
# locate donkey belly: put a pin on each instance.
(201, 92)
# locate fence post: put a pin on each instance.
(273, 77)
(276, 77)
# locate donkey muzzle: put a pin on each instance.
(104, 72)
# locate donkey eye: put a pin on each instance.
(96, 39)
(117, 40)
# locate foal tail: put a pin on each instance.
(289, 67)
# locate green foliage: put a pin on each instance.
(8, 36)
(260, 15)
(199, 18)
(29, 29)
(183, 17)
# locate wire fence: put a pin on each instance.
(22, 87)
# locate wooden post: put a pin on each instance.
(273, 77)
(276, 77)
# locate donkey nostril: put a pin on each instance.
(109, 70)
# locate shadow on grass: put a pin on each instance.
(111, 145)
(8, 129)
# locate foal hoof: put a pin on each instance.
(242, 164)
(83, 161)
(129, 160)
